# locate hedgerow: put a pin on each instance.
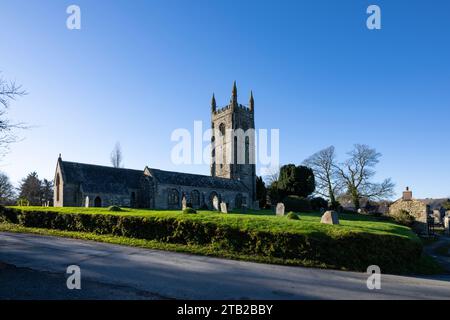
(350, 250)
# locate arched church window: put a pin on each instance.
(133, 199)
(247, 150)
(174, 197)
(58, 183)
(98, 202)
(222, 129)
(238, 201)
(235, 151)
(195, 198)
(213, 147)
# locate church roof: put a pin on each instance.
(100, 179)
(103, 179)
(196, 180)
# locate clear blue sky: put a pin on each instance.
(137, 70)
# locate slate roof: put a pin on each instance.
(101, 179)
(196, 180)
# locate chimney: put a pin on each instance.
(407, 195)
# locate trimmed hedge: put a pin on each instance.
(352, 250)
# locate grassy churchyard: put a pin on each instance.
(357, 242)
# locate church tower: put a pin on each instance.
(233, 144)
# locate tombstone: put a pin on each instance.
(215, 203)
(86, 202)
(437, 216)
(447, 225)
(183, 203)
(330, 217)
(256, 205)
(223, 207)
(280, 209)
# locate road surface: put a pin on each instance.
(135, 273)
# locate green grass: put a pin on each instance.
(260, 236)
(263, 220)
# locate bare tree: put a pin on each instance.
(272, 175)
(323, 163)
(9, 91)
(356, 174)
(7, 193)
(116, 156)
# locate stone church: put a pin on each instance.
(232, 182)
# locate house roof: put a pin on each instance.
(196, 180)
(100, 179)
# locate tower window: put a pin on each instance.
(235, 151)
(222, 129)
(247, 151)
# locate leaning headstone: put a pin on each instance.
(223, 207)
(280, 209)
(183, 203)
(330, 217)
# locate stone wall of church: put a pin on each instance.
(109, 199)
(164, 191)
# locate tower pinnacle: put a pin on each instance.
(234, 95)
(213, 103)
(251, 102)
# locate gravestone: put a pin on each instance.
(330, 217)
(86, 202)
(215, 203)
(183, 203)
(223, 207)
(280, 209)
(447, 225)
(437, 216)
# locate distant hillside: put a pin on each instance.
(434, 203)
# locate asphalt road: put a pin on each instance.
(120, 272)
